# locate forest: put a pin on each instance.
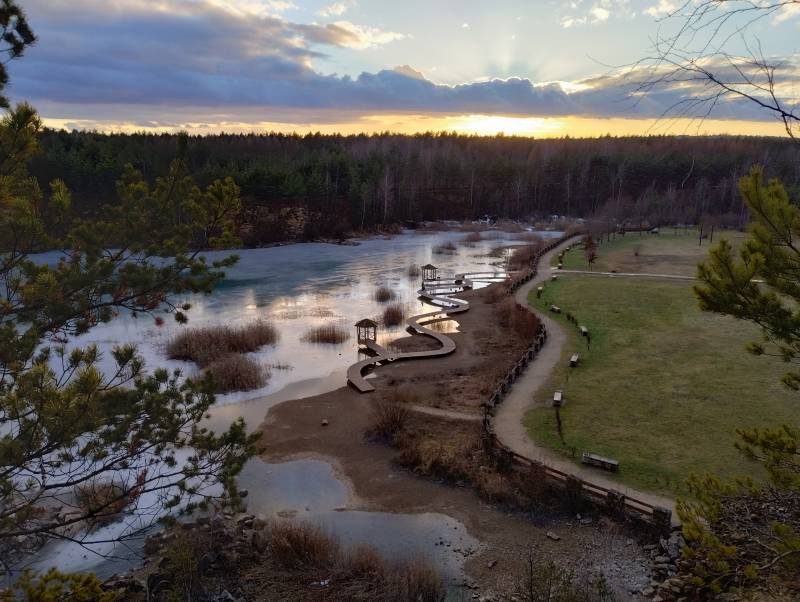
(326, 186)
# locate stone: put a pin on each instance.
(325, 422)
(661, 559)
(553, 536)
(491, 564)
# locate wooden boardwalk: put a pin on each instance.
(436, 292)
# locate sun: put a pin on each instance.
(492, 125)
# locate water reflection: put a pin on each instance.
(301, 286)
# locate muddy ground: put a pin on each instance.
(460, 382)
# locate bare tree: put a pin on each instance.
(708, 50)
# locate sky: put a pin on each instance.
(522, 67)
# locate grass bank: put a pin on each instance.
(664, 386)
(670, 252)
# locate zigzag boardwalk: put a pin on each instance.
(436, 292)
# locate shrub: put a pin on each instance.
(55, 585)
(103, 499)
(472, 238)
(413, 271)
(389, 418)
(496, 292)
(208, 344)
(531, 237)
(522, 257)
(329, 334)
(383, 294)
(302, 545)
(235, 372)
(415, 580)
(393, 315)
(446, 248)
(506, 310)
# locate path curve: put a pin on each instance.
(437, 292)
(527, 393)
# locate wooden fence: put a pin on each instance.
(610, 501)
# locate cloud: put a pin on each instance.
(169, 62)
(662, 9)
(365, 37)
(599, 11)
(337, 9)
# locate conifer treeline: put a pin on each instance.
(355, 182)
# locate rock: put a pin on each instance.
(157, 583)
(648, 591)
(553, 536)
(224, 596)
(324, 422)
(243, 492)
(208, 561)
(661, 559)
(491, 564)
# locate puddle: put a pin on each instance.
(308, 490)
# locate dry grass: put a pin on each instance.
(212, 343)
(235, 372)
(306, 555)
(414, 271)
(389, 418)
(522, 257)
(328, 334)
(302, 546)
(383, 294)
(393, 315)
(472, 238)
(102, 500)
(446, 248)
(496, 292)
(531, 237)
(414, 580)
(523, 322)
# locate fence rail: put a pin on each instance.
(609, 500)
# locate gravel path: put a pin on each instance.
(526, 393)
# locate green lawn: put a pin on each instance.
(663, 387)
(665, 253)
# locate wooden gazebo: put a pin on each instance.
(429, 272)
(366, 330)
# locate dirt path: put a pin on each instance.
(527, 393)
(445, 413)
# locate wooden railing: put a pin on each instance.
(609, 500)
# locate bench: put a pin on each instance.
(573, 361)
(600, 462)
(584, 331)
(558, 399)
(554, 277)
(555, 309)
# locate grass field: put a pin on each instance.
(665, 253)
(664, 386)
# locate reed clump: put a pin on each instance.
(327, 334)
(236, 372)
(388, 419)
(211, 343)
(446, 248)
(383, 294)
(393, 315)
